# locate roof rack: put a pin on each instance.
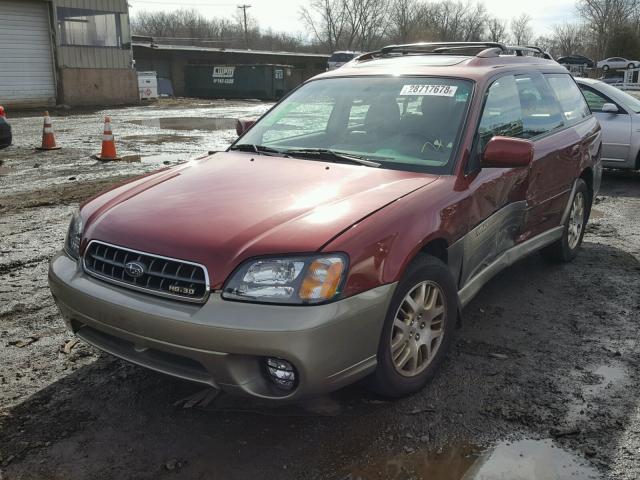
(476, 49)
(520, 50)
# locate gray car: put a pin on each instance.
(619, 114)
(617, 63)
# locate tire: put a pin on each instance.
(605, 68)
(566, 248)
(420, 330)
(630, 66)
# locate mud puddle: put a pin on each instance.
(187, 123)
(610, 374)
(520, 460)
(161, 139)
(601, 382)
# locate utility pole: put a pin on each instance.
(246, 33)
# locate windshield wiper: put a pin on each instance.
(334, 156)
(259, 149)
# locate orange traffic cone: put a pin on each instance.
(48, 138)
(108, 143)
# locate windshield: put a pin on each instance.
(621, 97)
(404, 123)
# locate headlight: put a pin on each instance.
(292, 280)
(74, 235)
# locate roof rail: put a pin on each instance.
(520, 50)
(481, 49)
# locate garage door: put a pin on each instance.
(26, 67)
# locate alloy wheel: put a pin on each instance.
(576, 220)
(418, 328)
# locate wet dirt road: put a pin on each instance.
(542, 383)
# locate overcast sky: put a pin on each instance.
(283, 15)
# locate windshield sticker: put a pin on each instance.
(435, 90)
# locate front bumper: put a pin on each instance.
(223, 343)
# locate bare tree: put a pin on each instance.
(605, 17)
(189, 27)
(327, 20)
(367, 21)
(457, 20)
(521, 29)
(567, 38)
(497, 30)
(475, 22)
(407, 21)
(347, 24)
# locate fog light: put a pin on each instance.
(281, 373)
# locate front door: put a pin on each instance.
(497, 201)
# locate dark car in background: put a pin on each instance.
(576, 60)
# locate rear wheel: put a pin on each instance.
(418, 329)
(566, 248)
(630, 66)
(605, 67)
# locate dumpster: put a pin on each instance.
(264, 82)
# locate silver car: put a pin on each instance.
(619, 114)
(617, 63)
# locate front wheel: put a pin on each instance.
(630, 66)
(418, 329)
(605, 67)
(566, 248)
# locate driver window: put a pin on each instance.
(502, 114)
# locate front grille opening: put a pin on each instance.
(159, 360)
(161, 276)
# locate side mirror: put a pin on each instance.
(609, 108)
(244, 124)
(507, 152)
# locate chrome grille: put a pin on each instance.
(167, 277)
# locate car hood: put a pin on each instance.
(228, 207)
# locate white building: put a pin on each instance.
(74, 52)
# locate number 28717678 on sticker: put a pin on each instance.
(436, 90)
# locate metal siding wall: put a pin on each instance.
(26, 66)
(92, 57)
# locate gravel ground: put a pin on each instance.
(543, 381)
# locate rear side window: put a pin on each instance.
(540, 109)
(574, 106)
(521, 106)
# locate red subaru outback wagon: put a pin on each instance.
(341, 235)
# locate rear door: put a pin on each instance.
(557, 149)
(616, 127)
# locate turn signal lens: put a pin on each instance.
(322, 279)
